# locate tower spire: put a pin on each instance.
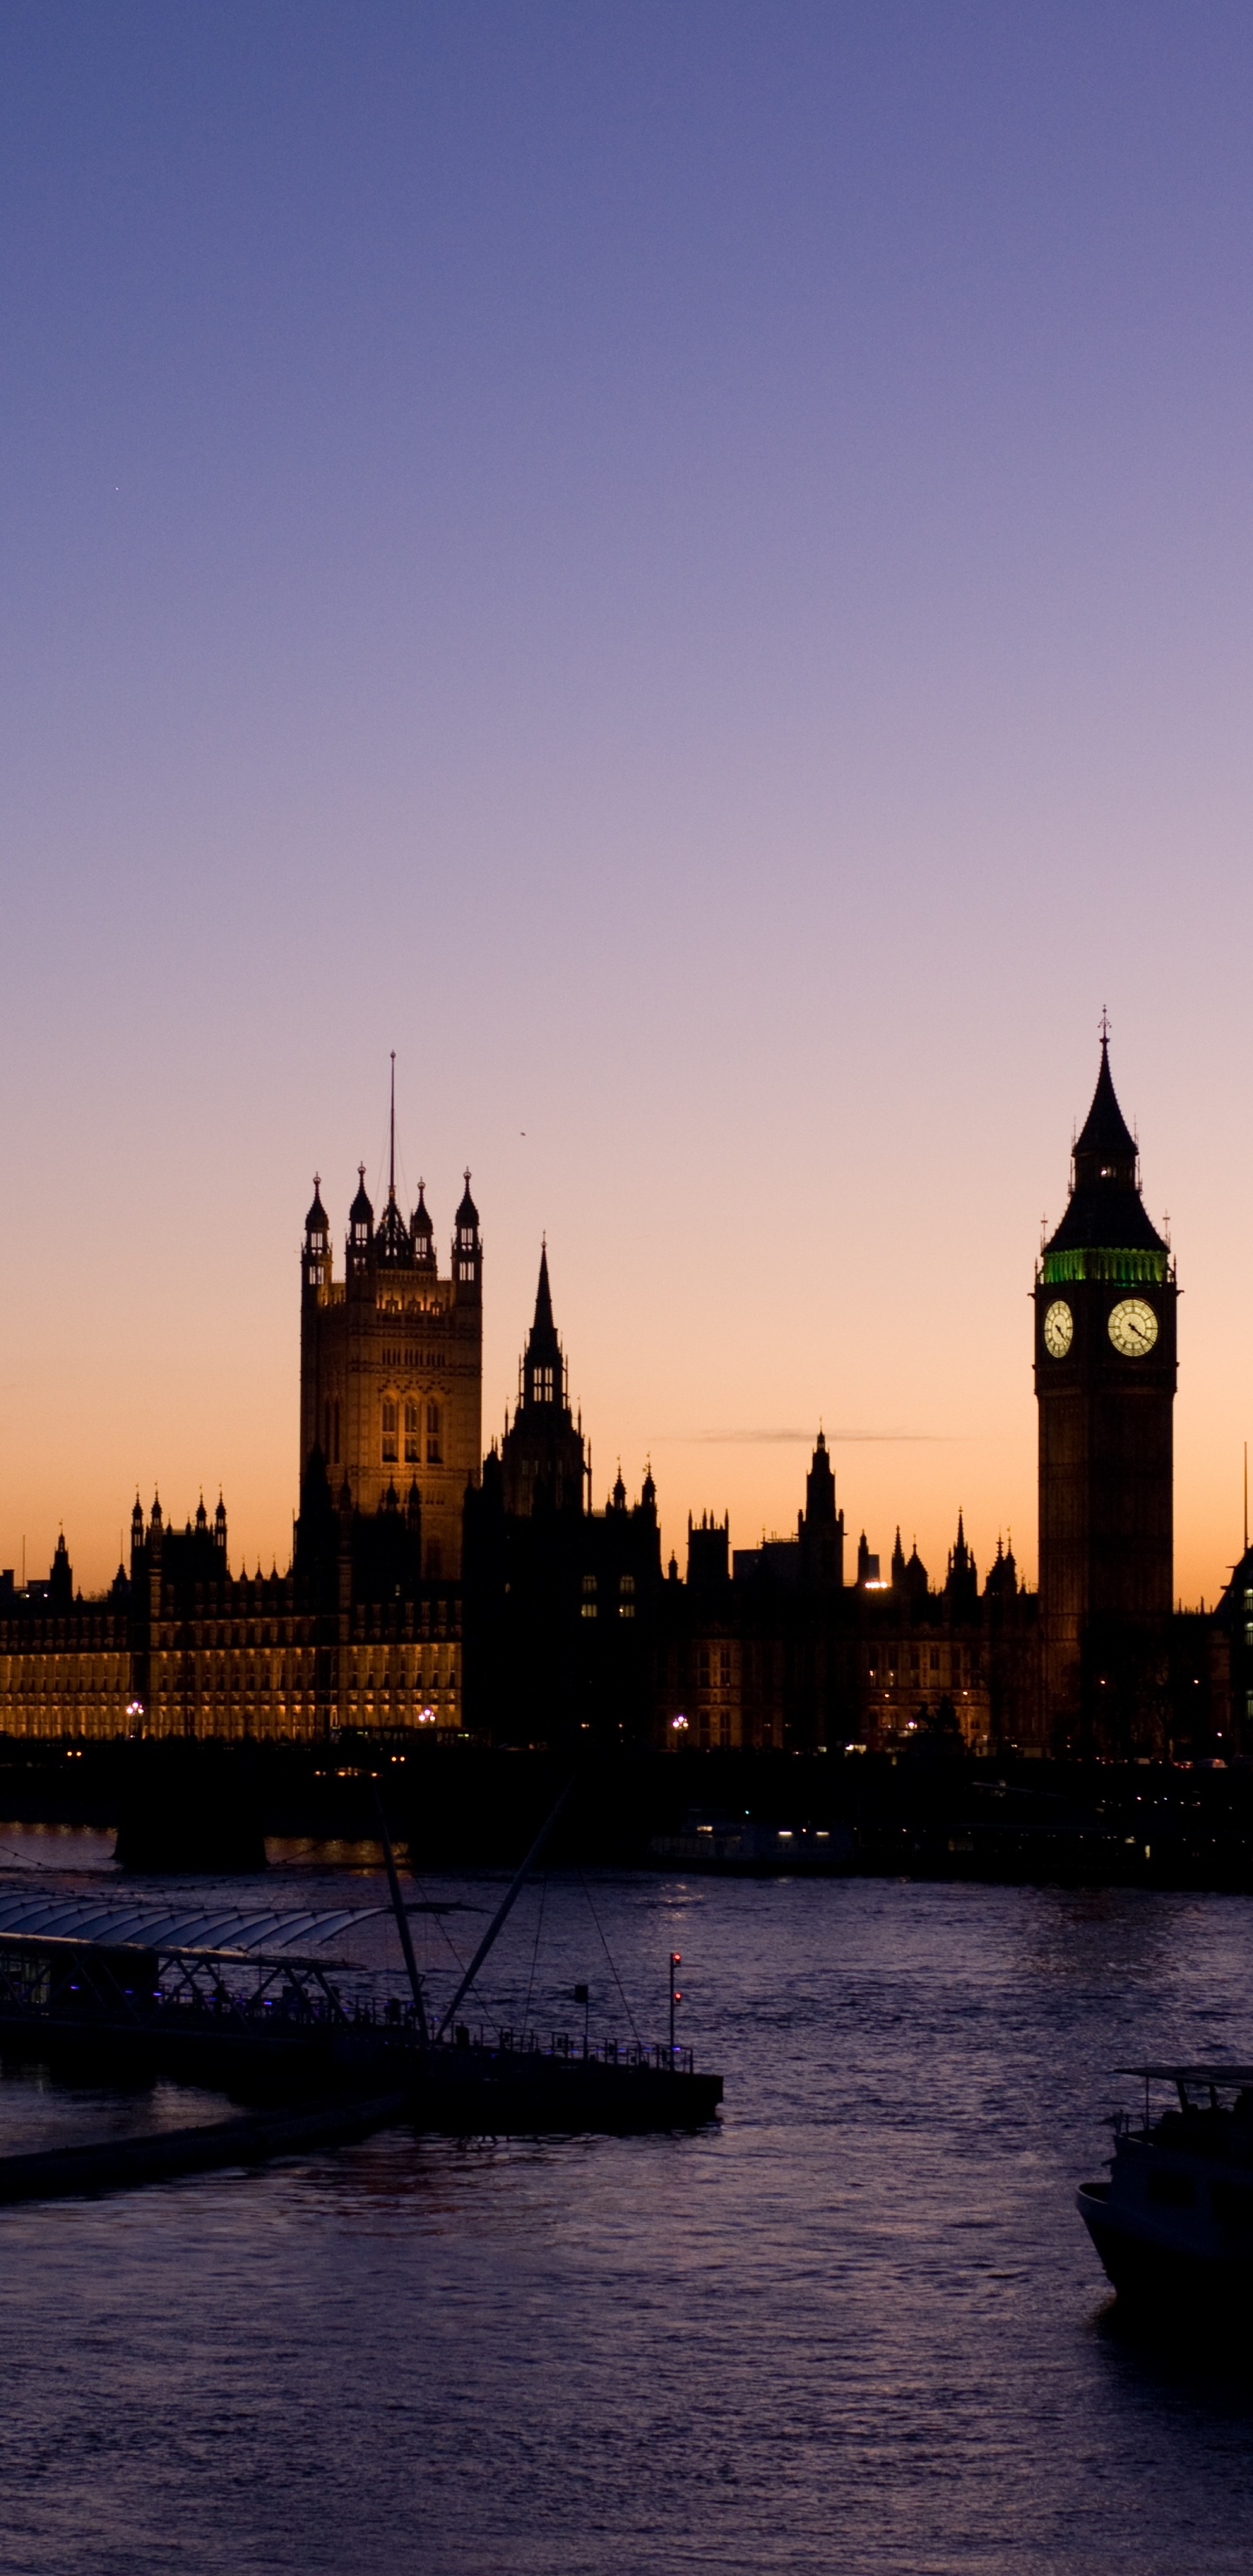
(391, 1136)
(543, 1324)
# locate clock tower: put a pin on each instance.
(1105, 1373)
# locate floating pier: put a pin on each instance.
(113, 1992)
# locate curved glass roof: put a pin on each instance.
(162, 1923)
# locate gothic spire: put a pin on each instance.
(543, 1369)
(543, 1324)
(1105, 1137)
(1105, 1207)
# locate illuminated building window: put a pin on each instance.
(413, 1435)
(543, 1386)
(627, 1583)
(434, 1428)
(935, 1659)
(391, 1430)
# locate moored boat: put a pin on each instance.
(1174, 2223)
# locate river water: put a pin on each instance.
(854, 2326)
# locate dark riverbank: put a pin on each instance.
(460, 1806)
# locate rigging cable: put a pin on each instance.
(612, 1969)
(539, 1926)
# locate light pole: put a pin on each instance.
(675, 1996)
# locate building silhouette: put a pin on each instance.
(774, 1651)
(560, 1600)
(544, 1463)
(430, 1587)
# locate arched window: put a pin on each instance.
(434, 1435)
(413, 1435)
(391, 1431)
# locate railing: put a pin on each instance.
(574, 2048)
(296, 2014)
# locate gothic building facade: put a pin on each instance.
(353, 1636)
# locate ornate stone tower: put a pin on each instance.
(820, 1528)
(542, 1457)
(391, 1361)
(1105, 1374)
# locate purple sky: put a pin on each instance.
(688, 568)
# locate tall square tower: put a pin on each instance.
(1105, 1376)
(391, 1362)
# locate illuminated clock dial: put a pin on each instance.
(1133, 1328)
(1059, 1328)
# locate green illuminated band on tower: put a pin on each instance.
(1120, 1269)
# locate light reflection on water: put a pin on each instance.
(856, 2326)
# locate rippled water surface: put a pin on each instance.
(855, 2326)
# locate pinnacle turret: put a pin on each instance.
(423, 1233)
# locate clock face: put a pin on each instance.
(1059, 1327)
(1133, 1328)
